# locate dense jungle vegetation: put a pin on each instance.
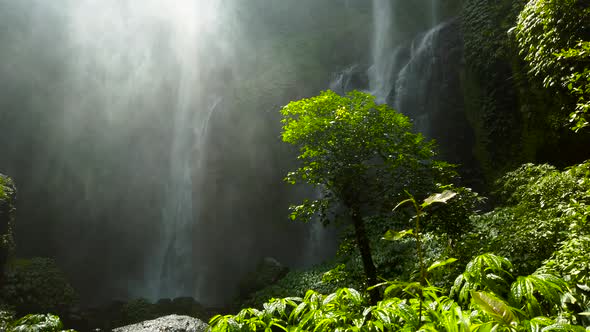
(444, 264)
(448, 260)
(418, 250)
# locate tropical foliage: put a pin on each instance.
(554, 38)
(541, 225)
(31, 323)
(37, 285)
(483, 299)
(541, 210)
(361, 157)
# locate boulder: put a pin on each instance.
(172, 323)
(7, 217)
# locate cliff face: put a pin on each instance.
(476, 98)
(463, 83)
(514, 119)
(7, 218)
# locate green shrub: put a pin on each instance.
(541, 209)
(295, 283)
(554, 38)
(138, 310)
(37, 285)
(37, 323)
(6, 317)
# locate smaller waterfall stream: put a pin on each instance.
(342, 81)
(412, 83)
(177, 267)
(381, 71)
(402, 62)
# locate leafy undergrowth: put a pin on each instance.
(540, 225)
(484, 298)
(31, 323)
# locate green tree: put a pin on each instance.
(361, 156)
(554, 38)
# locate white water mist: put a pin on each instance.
(132, 59)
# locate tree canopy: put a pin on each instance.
(358, 152)
(361, 156)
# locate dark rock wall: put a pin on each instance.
(514, 119)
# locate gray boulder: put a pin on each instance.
(172, 323)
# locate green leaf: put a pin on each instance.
(403, 202)
(392, 235)
(494, 306)
(438, 264)
(443, 197)
(37, 323)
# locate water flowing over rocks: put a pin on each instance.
(421, 76)
(171, 323)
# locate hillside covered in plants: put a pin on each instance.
(338, 165)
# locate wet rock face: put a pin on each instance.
(7, 213)
(172, 323)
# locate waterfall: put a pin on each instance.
(180, 273)
(143, 136)
(140, 65)
(434, 12)
(342, 81)
(403, 64)
(381, 71)
(413, 82)
(178, 267)
(321, 239)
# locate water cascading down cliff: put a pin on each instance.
(415, 66)
(135, 140)
(148, 55)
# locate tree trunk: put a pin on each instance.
(365, 250)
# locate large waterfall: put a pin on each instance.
(144, 136)
(139, 63)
